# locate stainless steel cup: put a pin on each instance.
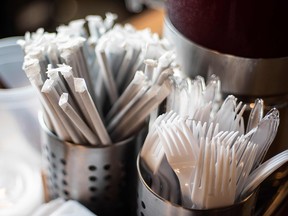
(101, 178)
(151, 204)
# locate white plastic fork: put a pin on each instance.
(215, 178)
(225, 113)
(227, 137)
(179, 157)
(225, 183)
(244, 164)
(199, 187)
(238, 123)
(256, 115)
(163, 183)
(265, 134)
(203, 112)
(230, 115)
(200, 129)
(152, 151)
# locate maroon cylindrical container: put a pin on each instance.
(246, 28)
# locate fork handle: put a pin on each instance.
(185, 185)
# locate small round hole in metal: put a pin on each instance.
(92, 168)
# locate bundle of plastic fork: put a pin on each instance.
(194, 161)
(187, 144)
(201, 99)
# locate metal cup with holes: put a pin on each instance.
(150, 204)
(101, 178)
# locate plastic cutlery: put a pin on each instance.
(180, 159)
(262, 172)
(265, 134)
(256, 115)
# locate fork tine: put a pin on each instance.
(209, 133)
(191, 139)
(169, 117)
(218, 134)
(246, 169)
(238, 142)
(162, 117)
(212, 199)
(152, 152)
(244, 157)
(238, 106)
(226, 169)
(152, 135)
(237, 122)
(216, 130)
(197, 194)
(183, 141)
(157, 148)
(233, 172)
(227, 137)
(171, 141)
(177, 142)
(242, 147)
(196, 128)
(229, 140)
(223, 135)
(212, 168)
(203, 129)
(165, 142)
(206, 170)
(219, 167)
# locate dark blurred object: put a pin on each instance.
(19, 16)
(137, 6)
(2, 84)
(254, 29)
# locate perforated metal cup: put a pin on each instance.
(151, 204)
(100, 178)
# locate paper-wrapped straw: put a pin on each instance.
(98, 111)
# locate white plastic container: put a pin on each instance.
(19, 104)
(21, 189)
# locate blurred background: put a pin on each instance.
(19, 16)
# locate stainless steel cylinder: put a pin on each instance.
(151, 204)
(102, 178)
(238, 75)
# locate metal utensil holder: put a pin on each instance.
(99, 178)
(247, 79)
(150, 204)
